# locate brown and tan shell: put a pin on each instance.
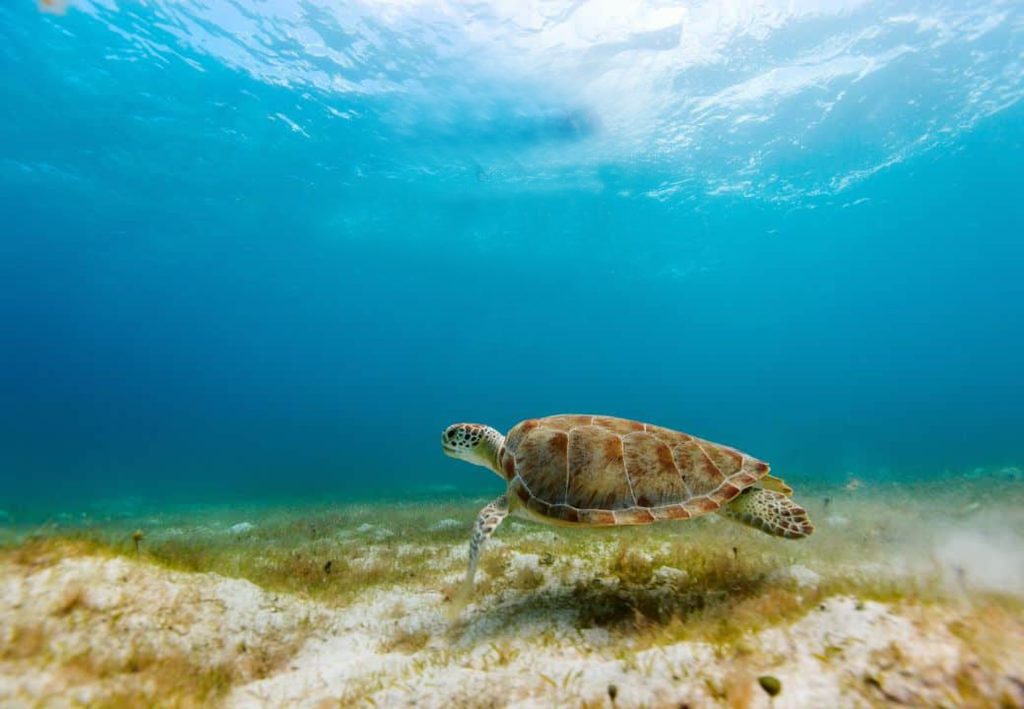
(601, 470)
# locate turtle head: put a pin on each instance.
(473, 443)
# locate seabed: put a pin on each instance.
(906, 594)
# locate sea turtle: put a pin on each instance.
(601, 471)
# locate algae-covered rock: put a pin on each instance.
(770, 684)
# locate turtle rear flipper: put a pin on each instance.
(771, 512)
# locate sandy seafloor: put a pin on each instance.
(907, 594)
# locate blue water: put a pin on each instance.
(272, 250)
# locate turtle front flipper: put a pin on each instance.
(488, 520)
(772, 512)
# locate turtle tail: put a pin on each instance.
(770, 511)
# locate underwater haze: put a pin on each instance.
(257, 250)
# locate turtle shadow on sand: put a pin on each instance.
(715, 608)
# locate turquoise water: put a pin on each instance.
(271, 251)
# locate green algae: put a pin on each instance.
(707, 582)
(705, 579)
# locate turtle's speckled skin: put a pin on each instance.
(600, 471)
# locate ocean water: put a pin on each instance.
(255, 257)
(269, 251)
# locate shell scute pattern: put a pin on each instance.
(601, 470)
(596, 479)
(538, 458)
(617, 425)
(652, 471)
(517, 434)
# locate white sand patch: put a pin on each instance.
(979, 560)
(345, 652)
(113, 616)
(838, 655)
(670, 575)
(831, 648)
(378, 534)
(447, 523)
(519, 562)
(799, 574)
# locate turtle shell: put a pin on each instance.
(601, 470)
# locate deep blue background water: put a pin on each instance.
(201, 299)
